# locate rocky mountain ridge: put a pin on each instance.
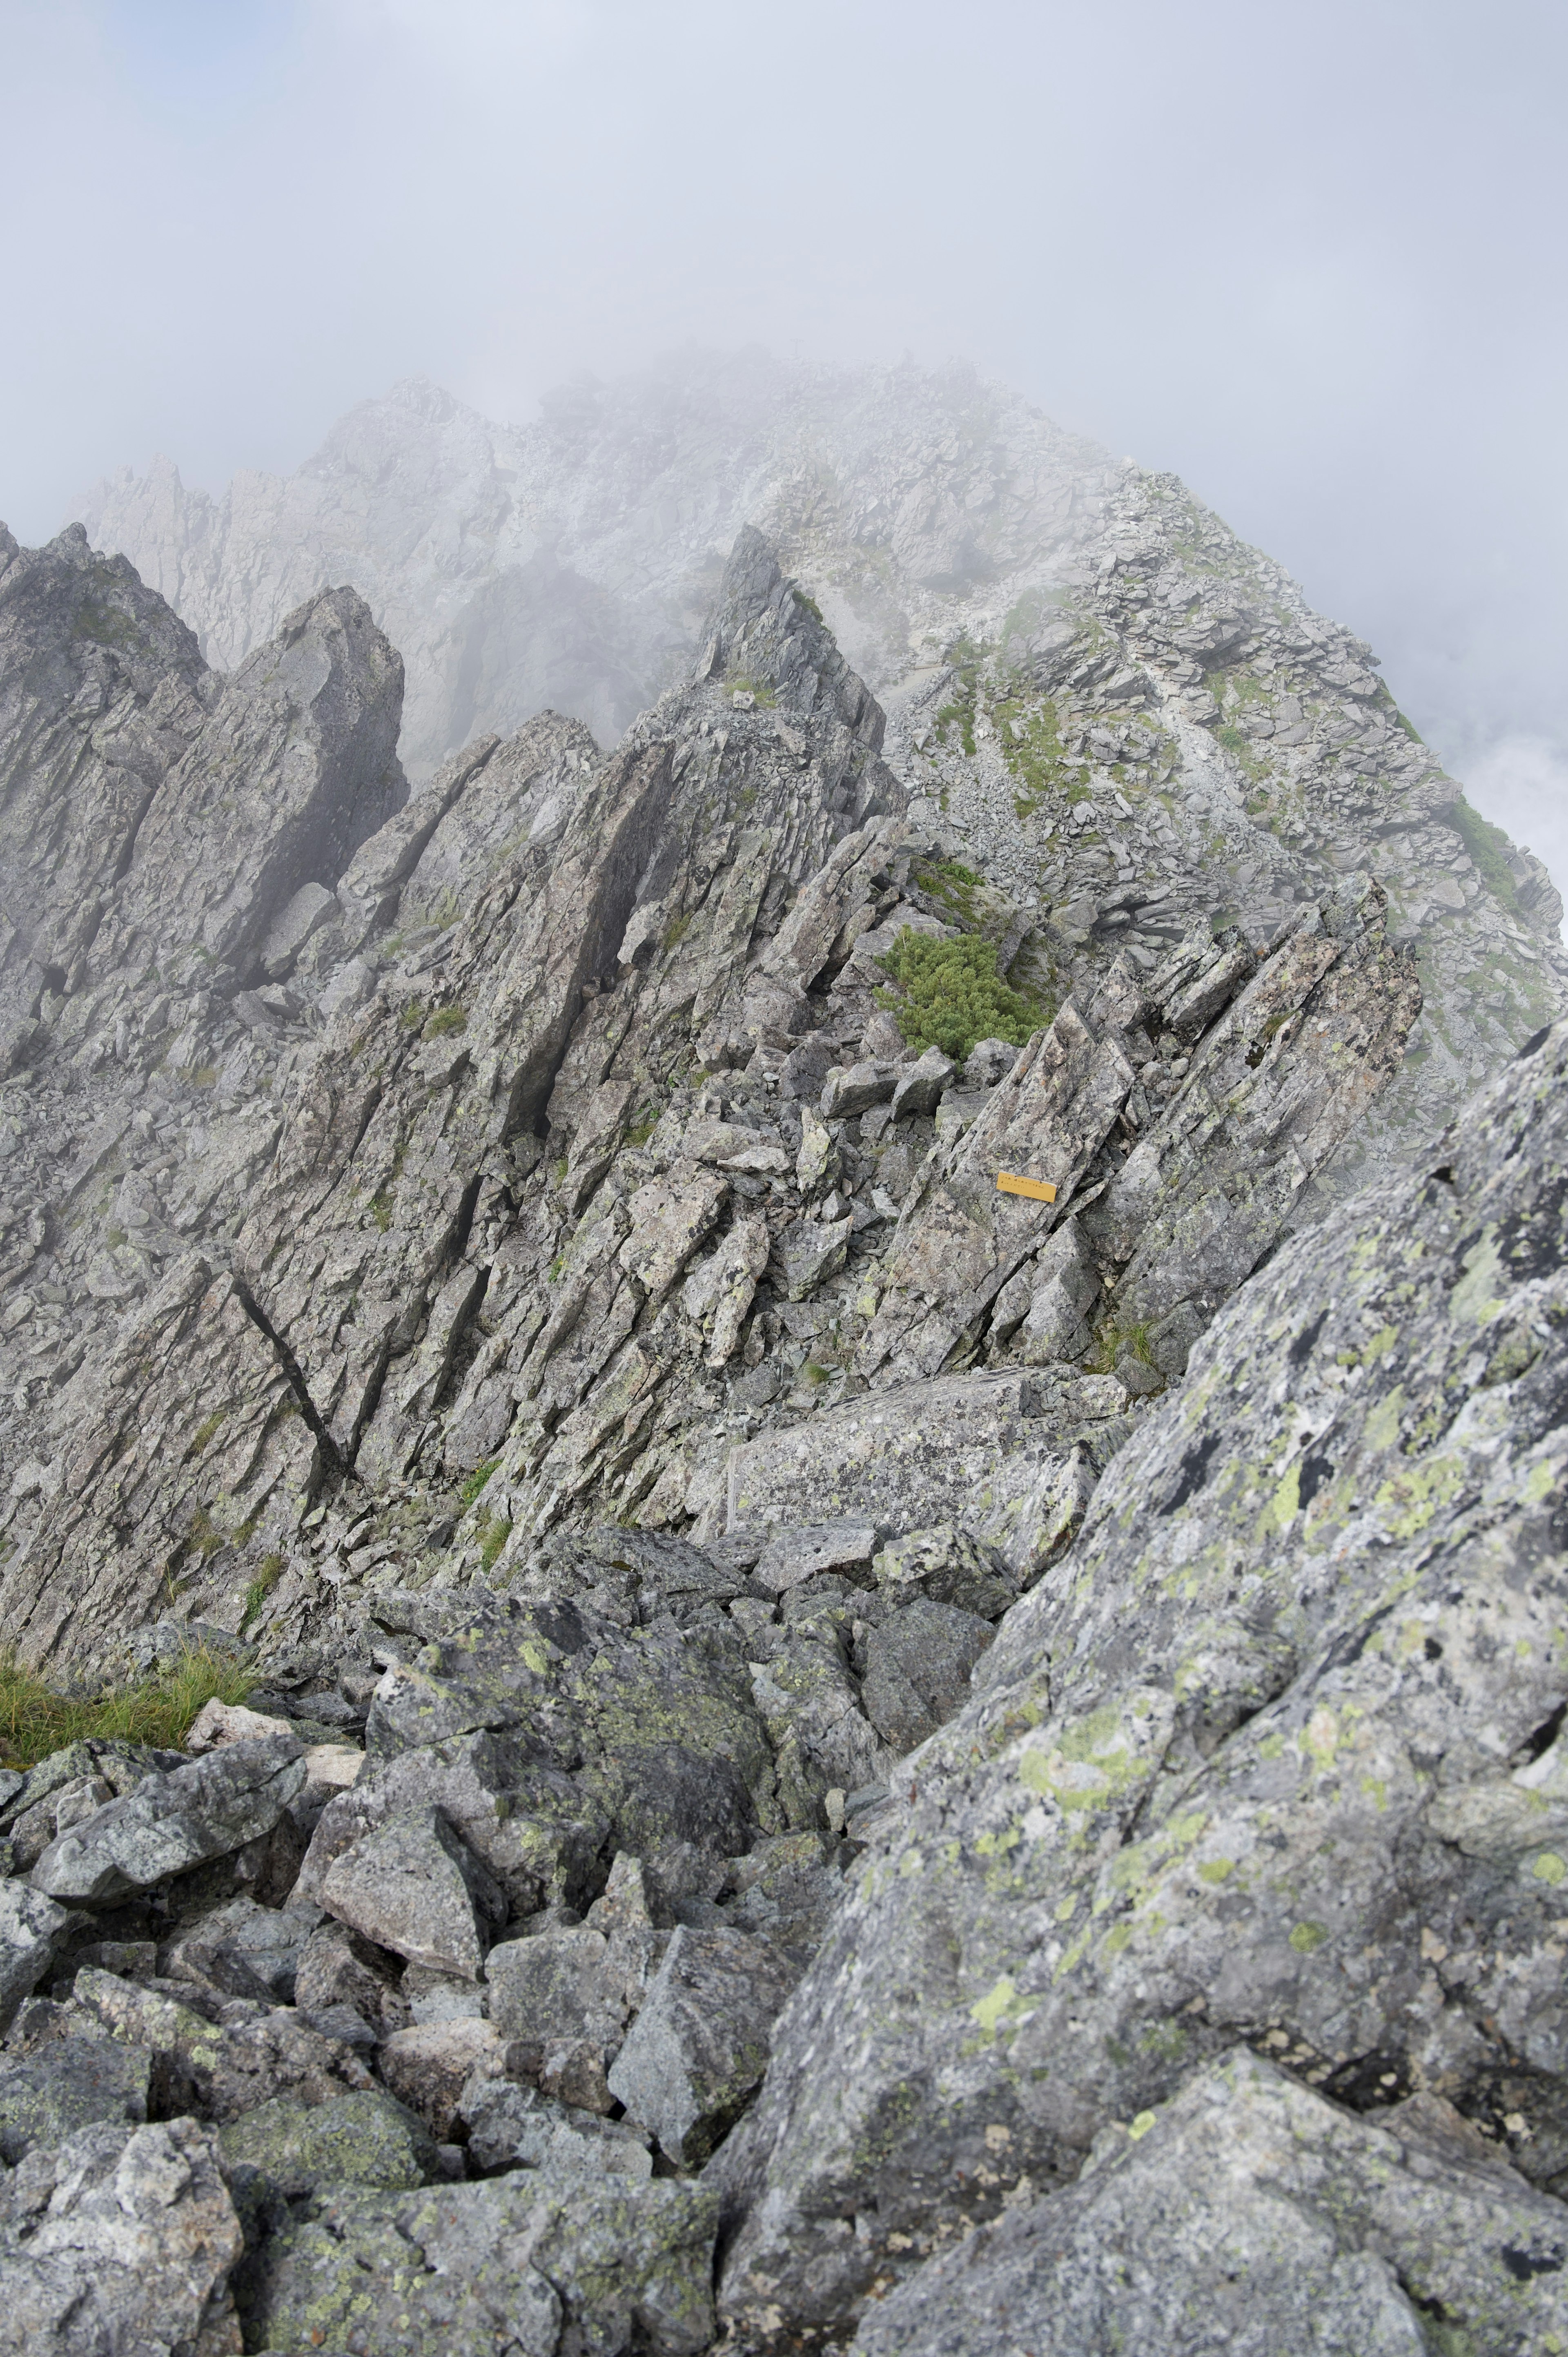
(819, 1729)
(1127, 718)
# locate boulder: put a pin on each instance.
(413, 1886)
(174, 1822)
(32, 1930)
(64, 2084)
(1276, 2224)
(217, 2068)
(698, 2049)
(427, 2067)
(919, 1085)
(851, 1088)
(520, 2127)
(367, 2139)
(123, 2241)
(918, 1667)
(789, 1558)
(458, 2272)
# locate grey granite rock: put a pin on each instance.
(699, 2046)
(217, 2068)
(1250, 2216)
(121, 2240)
(68, 2083)
(414, 1886)
(32, 1931)
(1220, 1759)
(607, 2266)
(174, 1822)
(367, 2139)
(518, 2128)
(917, 1667)
(430, 2065)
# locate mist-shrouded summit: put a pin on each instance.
(1128, 715)
(867, 1389)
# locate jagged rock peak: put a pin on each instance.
(769, 634)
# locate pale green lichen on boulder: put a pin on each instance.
(367, 2139)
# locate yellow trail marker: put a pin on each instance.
(1040, 1188)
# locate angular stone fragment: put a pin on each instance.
(65, 2085)
(218, 1723)
(427, 2067)
(462, 2271)
(336, 1967)
(1288, 2226)
(699, 2046)
(918, 1668)
(173, 1823)
(988, 1062)
(793, 1555)
(31, 1931)
(220, 2069)
(367, 2139)
(1063, 1288)
(850, 1089)
(128, 2248)
(415, 1887)
(669, 1220)
(519, 2127)
(810, 1251)
(948, 1565)
(919, 1085)
(557, 1986)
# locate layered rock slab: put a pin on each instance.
(1206, 1790)
(1250, 2216)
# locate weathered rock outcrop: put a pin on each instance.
(1127, 717)
(773, 1650)
(1271, 1758)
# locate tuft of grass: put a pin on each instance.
(269, 1571)
(676, 931)
(952, 884)
(948, 994)
(808, 605)
(475, 1483)
(493, 1536)
(35, 1720)
(451, 1018)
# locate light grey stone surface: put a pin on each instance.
(1215, 1782)
(173, 1823)
(441, 2273)
(699, 2046)
(414, 1886)
(31, 1930)
(120, 2239)
(1249, 2216)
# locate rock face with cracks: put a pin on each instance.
(961, 1765)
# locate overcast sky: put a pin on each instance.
(1309, 257)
